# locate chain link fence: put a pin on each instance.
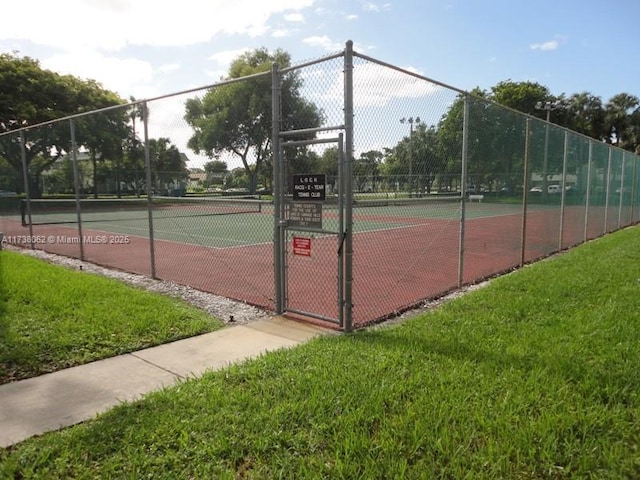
(425, 188)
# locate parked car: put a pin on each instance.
(551, 190)
(7, 193)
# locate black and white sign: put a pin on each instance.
(309, 188)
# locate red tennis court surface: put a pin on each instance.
(393, 270)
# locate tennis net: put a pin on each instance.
(63, 211)
(406, 202)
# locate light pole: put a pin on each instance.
(548, 107)
(411, 121)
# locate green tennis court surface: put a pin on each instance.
(237, 222)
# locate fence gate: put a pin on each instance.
(311, 239)
(312, 217)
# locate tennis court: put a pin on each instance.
(406, 249)
(401, 243)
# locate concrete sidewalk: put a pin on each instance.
(55, 400)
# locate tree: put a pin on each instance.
(391, 169)
(619, 128)
(62, 179)
(237, 178)
(521, 96)
(31, 95)
(366, 170)
(105, 135)
(216, 166)
(216, 170)
(9, 178)
(168, 166)
(328, 164)
(132, 167)
(425, 156)
(236, 117)
(450, 129)
(495, 149)
(634, 131)
(586, 115)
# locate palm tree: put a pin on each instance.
(587, 115)
(618, 119)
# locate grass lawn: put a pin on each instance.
(533, 376)
(52, 317)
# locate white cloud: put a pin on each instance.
(113, 24)
(225, 58)
(550, 45)
(170, 67)
(322, 42)
(294, 17)
(375, 7)
(280, 33)
(351, 17)
(90, 64)
(166, 120)
(216, 74)
(376, 86)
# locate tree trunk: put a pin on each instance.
(95, 174)
(34, 186)
(118, 190)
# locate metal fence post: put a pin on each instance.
(588, 196)
(27, 190)
(621, 190)
(76, 184)
(147, 166)
(463, 188)
(606, 200)
(278, 192)
(634, 181)
(525, 189)
(348, 171)
(563, 197)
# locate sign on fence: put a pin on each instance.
(310, 188)
(302, 246)
(305, 214)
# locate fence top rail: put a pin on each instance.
(302, 131)
(312, 62)
(408, 72)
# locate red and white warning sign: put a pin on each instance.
(302, 246)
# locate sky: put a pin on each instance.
(149, 48)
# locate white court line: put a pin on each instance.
(236, 244)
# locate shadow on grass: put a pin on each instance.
(610, 377)
(453, 349)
